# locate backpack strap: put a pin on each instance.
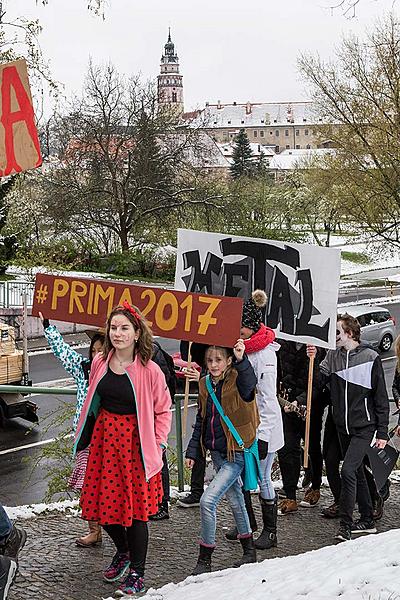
(226, 419)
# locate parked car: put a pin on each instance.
(378, 327)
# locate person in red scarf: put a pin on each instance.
(261, 350)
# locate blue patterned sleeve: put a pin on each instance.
(69, 358)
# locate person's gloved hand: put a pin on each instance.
(262, 449)
(45, 322)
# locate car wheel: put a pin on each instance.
(386, 342)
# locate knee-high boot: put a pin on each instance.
(268, 539)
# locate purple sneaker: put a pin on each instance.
(133, 584)
(118, 568)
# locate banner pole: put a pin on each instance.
(308, 411)
(179, 450)
(186, 398)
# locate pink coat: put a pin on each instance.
(153, 407)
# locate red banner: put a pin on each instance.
(19, 142)
(171, 314)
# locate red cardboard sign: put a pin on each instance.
(19, 142)
(171, 314)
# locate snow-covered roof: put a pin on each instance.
(290, 159)
(259, 114)
(257, 149)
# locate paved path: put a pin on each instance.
(53, 568)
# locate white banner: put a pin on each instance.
(301, 280)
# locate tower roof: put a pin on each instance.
(169, 55)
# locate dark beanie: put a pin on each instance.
(252, 316)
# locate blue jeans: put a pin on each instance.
(5, 524)
(227, 483)
(267, 491)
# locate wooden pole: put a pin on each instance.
(308, 413)
(186, 398)
(25, 374)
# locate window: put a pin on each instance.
(261, 133)
(298, 147)
(174, 97)
(262, 121)
(287, 132)
(364, 320)
(380, 317)
(287, 147)
(277, 132)
(306, 132)
(271, 132)
(277, 149)
(242, 122)
(297, 131)
(308, 147)
(229, 122)
(255, 133)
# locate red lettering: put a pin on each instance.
(8, 118)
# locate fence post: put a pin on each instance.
(179, 449)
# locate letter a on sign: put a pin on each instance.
(19, 142)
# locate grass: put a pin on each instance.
(360, 258)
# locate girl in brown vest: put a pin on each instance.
(234, 383)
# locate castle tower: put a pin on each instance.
(169, 82)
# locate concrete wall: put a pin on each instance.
(13, 316)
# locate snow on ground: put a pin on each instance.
(29, 511)
(363, 569)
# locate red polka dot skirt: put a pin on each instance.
(115, 490)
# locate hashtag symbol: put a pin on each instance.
(42, 294)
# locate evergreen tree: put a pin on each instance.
(243, 161)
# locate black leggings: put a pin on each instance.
(133, 539)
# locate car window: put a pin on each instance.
(381, 316)
(364, 320)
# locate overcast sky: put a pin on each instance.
(229, 50)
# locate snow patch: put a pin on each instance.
(366, 568)
(29, 511)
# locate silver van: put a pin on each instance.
(378, 327)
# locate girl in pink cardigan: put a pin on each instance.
(125, 419)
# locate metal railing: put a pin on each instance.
(11, 293)
(31, 389)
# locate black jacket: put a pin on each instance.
(213, 434)
(293, 364)
(358, 390)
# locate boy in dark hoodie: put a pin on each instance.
(360, 407)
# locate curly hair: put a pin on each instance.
(144, 345)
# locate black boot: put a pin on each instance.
(204, 561)
(249, 552)
(232, 533)
(267, 539)
(250, 511)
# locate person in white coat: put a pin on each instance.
(261, 351)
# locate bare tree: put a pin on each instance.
(124, 165)
(358, 96)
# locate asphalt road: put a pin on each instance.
(22, 481)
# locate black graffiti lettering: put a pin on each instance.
(232, 270)
(200, 279)
(280, 309)
(261, 253)
(303, 325)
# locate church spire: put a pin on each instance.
(169, 81)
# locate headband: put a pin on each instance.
(130, 308)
